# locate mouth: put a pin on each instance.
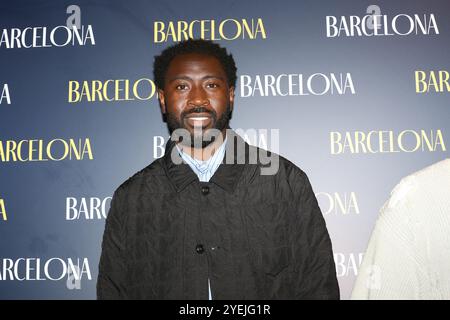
(198, 119)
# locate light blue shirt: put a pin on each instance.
(205, 170)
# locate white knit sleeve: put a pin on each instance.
(390, 268)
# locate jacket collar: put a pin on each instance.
(226, 176)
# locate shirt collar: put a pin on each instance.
(203, 166)
(226, 176)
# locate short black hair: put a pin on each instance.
(207, 47)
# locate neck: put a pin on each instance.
(206, 153)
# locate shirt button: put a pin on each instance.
(200, 249)
(205, 190)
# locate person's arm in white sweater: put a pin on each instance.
(391, 268)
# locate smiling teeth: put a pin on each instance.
(199, 118)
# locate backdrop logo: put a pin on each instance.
(228, 29)
(386, 141)
(347, 264)
(87, 208)
(41, 37)
(434, 81)
(40, 150)
(381, 25)
(336, 203)
(317, 84)
(72, 34)
(111, 90)
(53, 269)
(5, 94)
(3, 210)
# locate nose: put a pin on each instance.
(198, 97)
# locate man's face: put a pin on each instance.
(196, 95)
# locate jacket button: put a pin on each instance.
(200, 249)
(205, 190)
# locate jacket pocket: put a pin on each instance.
(275, 259)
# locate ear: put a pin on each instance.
(231, 97)
(162, 101)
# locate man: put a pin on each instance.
(408, 256)
(204, 221)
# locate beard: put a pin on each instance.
(199, 134)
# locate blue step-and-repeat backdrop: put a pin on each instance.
(359, 91)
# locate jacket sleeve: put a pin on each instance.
(111, 276)
(313, 254)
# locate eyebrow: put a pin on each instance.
(189, 78)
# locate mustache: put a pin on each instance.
(199, 110)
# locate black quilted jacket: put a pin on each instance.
(254, 236)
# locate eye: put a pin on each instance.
(181, 87)
(212, 85)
